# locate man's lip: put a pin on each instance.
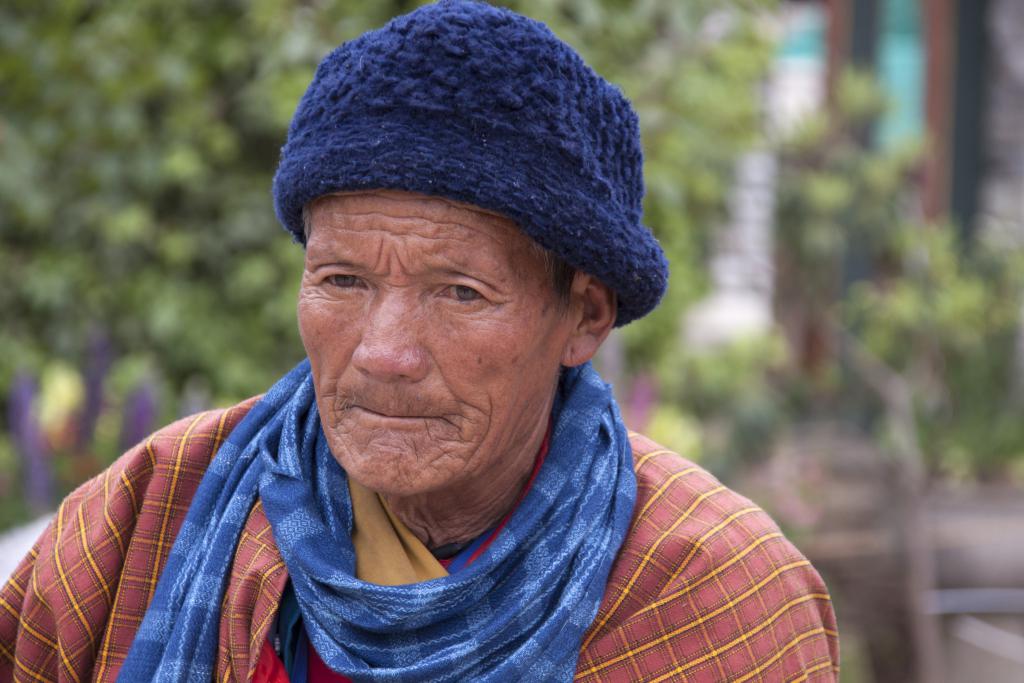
(389, 417)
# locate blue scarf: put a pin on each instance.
(518, 613)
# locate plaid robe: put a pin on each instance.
(705, 587)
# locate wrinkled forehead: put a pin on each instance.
(350, 209)
(430, 224)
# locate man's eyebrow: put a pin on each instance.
(324, 257)
(466, 270)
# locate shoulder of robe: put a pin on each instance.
(75, 599)
(707, 587)
(156, 477)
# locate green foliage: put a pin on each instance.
(674, 428)
(836, 193)
(941, 315)
(949, 322)
(857, 266)
(732, 390)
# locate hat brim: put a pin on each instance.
(537, 186)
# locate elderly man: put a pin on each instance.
(445, 490)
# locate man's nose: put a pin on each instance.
(390, 348)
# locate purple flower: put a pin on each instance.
(30, 443)
(96, 370)
(641, 400)
(139, 415)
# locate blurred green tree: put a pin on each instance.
(885, 307)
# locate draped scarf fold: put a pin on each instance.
(518, 613)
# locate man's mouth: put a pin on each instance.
(388, 416)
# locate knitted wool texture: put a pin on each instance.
(478, 104)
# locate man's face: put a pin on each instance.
(435, 338)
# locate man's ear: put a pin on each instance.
(592, 308)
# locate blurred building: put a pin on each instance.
(955, 71)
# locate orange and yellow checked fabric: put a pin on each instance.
(70, 610)
(705, 587)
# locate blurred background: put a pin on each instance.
(839, 185)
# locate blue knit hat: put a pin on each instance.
(478, 104)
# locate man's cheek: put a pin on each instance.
(324, 333)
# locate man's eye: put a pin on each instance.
(343, 281)
(464, 293)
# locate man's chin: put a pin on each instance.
(393, 468)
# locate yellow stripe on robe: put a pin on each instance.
(387, 553)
